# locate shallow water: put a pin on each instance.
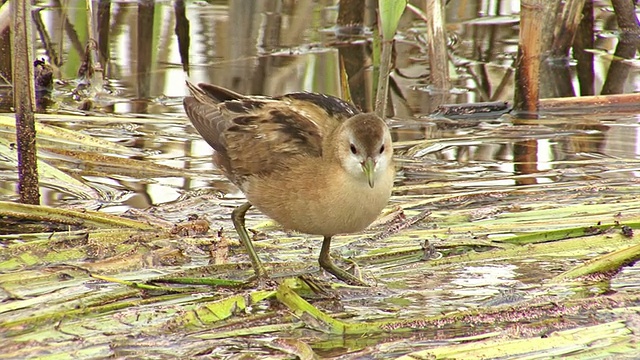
(273, 48)
(468, 172)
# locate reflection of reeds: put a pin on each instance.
(628, 43)
(582, 43)
(49, 49)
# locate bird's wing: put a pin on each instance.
(257, 135)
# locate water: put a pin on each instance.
(272, 48)
(477, 176)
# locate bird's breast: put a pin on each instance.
(320, 200)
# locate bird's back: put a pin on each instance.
(256, 135)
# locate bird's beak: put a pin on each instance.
(368, 167)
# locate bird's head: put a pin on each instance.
(364, 147)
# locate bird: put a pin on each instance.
(311, 162)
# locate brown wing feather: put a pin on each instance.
(333, 106)
(257, 135)
(218, 93)
(263, 141)
(208, 120)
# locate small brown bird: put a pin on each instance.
(311, 162)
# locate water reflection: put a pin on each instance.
(474, 169)
(274, 47)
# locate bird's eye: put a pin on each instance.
(381, 149)
(353, 149)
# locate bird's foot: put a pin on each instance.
(261, 281)
(342, 274)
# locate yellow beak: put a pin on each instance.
(368, 168)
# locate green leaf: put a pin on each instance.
(390, 12)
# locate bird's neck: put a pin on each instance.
(330, 146)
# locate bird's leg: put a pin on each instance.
(327, 264)
(237, 216)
